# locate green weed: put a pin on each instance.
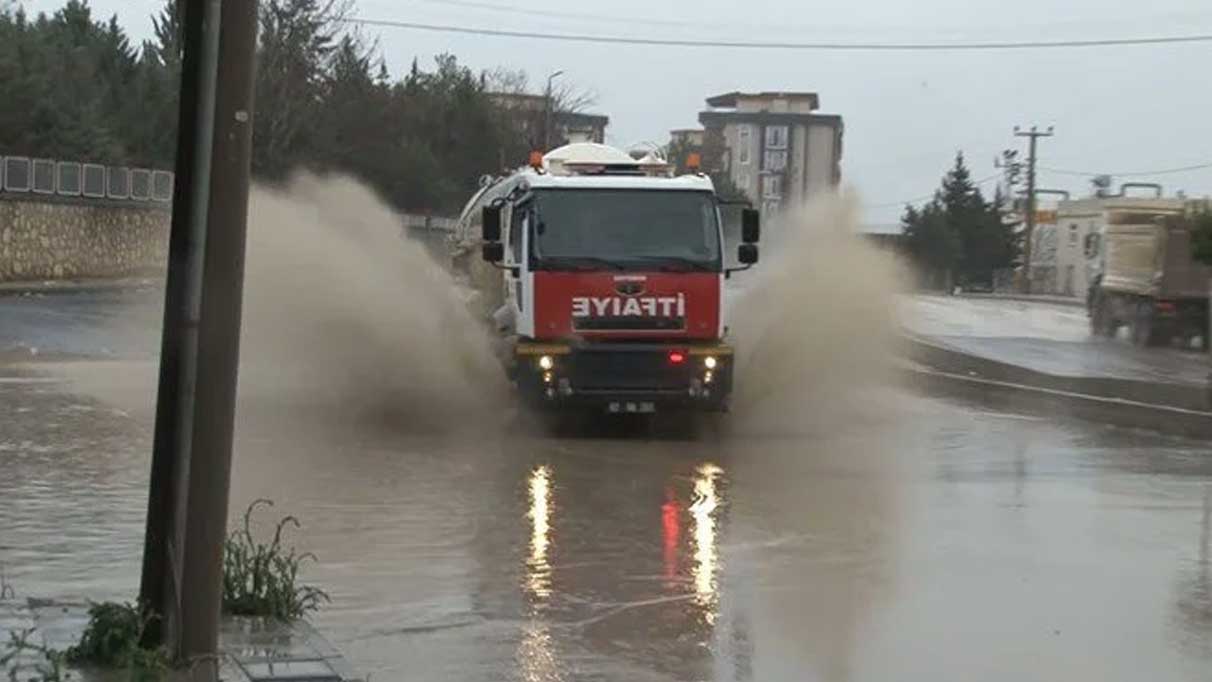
(262, 579)
(112, 640)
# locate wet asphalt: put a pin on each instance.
(1049, 338)
(920, 540)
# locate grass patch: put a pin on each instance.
(112, 640)
(262, 579)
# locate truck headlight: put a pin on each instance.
(546, 362)
(710, 362)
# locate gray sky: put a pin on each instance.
(1121, 109)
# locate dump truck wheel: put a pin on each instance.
(1101, 323)
(1144, 330)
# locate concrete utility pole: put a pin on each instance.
(547, 111)
(182, 576)
(1034, 134)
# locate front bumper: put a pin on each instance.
(625, 378)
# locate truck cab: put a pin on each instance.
(610, 275)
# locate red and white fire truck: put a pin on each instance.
(605, 277)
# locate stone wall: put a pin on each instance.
(47, 238)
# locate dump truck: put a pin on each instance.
(603, 278)
(1143, 276)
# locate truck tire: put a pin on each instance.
(1144, 329)
(1101, 322)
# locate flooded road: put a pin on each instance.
(1046, 337)
(931, 541)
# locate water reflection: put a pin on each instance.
(538, 569)
(671, 531)
(536, 654)
(706, 556)
(1194, 605)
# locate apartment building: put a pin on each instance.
(529, 115)
(688, 137)
(773, 145)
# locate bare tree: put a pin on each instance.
(566, 97)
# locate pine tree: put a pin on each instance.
(959, 237)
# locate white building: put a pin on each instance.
(773, 145)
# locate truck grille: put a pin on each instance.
(629, 323)
(634, 370)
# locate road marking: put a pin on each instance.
(30, 380)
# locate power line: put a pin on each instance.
(925, 197)
(1164, 171)
(757, 45)
(557, 14)
(1188, 18)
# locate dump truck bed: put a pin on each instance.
(1148, 258)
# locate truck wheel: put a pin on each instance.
(1101, 323)
(1144, 330)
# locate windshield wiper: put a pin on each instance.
(688, 263)
(582, 262)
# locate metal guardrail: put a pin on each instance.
(415, 221)
(49, 177)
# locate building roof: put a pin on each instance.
(572, 118)
(717, 118)
(536, 103)
(1095, 205)
(730, 99)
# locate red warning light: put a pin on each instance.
(677, 357)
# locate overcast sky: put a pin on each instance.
(1115, 109)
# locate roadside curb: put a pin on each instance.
(247, 644)
(1026, 298)
(1181, 408)
(78, 286)
(1050, 403)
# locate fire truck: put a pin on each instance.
(604, 277)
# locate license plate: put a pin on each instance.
(631, 408)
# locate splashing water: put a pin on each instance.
(343, 314)
(815, 324)
(345, 322)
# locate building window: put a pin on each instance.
(1073, 235)
(772, 186)
(776, 137)
(774, 161)
(743, 143)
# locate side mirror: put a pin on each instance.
(747, 254)
(751, 225)
(493, 252)
(490, 230)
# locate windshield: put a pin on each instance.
(627, 228)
